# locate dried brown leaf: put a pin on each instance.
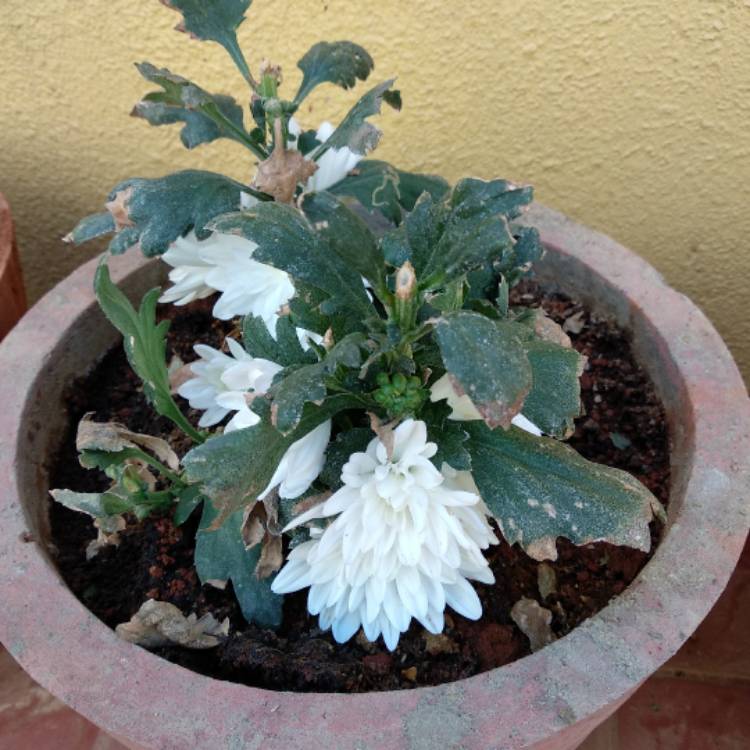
(548, 330)
(261, 526)
(534, 622)
(283, 170)
(384, 431)
(107, 534)
(161, 624)
(113, 437)
(118, 207)
(438, 644)
(546, 579)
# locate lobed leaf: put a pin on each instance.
(221, 555)
(341, 63)
(308, 383)
(555, 397)
(354, 132)
(284, 349)
(486, 360)
(539, 489)
(91, 227)
(378, 186)
(449, 436)
(153, 213)
(145, 345)
(216, 21)
(347, 235)
(234, 468)
(206, 116)
(287, 241)
(466, 232)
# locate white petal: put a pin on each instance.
(526, 424)
(463, 599)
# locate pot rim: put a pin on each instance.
(132, 693)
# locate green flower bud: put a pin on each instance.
(382, 379)
(399, 382)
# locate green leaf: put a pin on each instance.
(91, 227)
(288, 242)
(488, 361)
(308, 383)
(413, 184)
(102, 505)
(466, 231)
(354, 131)
(145, 345)
(473, 230)
(216, 21)
(340, 450)
(221, 555)
(474, 197)
(234, 468)
(304, 309)
(378, 186)
(206, 116)
(555, 397)
(539, 489)
(375, 185)
(347, 235)
(285, 349)
(341, 63)
(161, 210)
(449, 436)
(188, 500)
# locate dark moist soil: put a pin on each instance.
(624, 427)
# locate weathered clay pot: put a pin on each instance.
(12, 295)
(548, 701)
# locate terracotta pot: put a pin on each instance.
(12, 295)
(548, 701)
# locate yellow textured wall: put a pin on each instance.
(632, 117)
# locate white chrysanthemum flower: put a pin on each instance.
(464, 410)
(226, 383)
(301, 464)
(222, 381)
(223, 263)
(189, 269)
(405, 541)
(333, 166)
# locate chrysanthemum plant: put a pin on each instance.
(387, 402)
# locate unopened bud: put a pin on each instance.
(267, 68)
(406, 282)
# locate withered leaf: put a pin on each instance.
(283, 170)
(162, 624)
(113, 437)
(534, 622)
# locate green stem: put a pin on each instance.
(238, 58)
(182, 422)
(212, 111)
(165, 471)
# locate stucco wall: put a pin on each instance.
(631, 117)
